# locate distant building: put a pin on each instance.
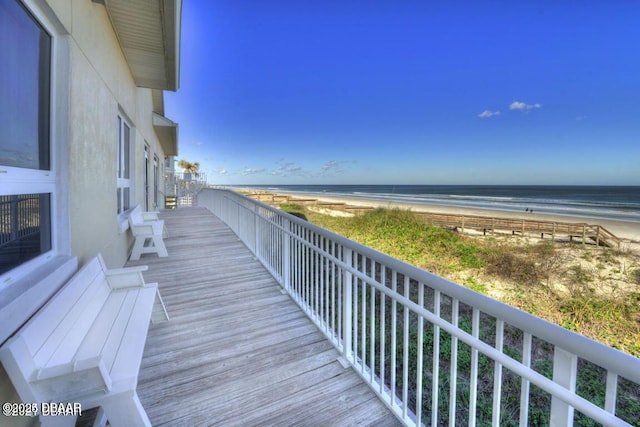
(83, 138)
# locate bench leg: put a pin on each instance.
(124, 410)
(101, 418)
(158, 243)
(138, 247)
(58, 421)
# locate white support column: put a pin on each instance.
(565, 368)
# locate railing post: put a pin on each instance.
(286, 257)
(565, 368)
(256, 232)
(347, 299)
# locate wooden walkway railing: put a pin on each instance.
(556, 230)
(436, 353)
(585, 232)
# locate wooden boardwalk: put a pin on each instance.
(486, 224)
(237, 351)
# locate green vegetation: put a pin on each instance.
(533, 277)
(294, 209)
(553, 281)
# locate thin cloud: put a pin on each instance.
(289, 168)
(486, 114)
(335, 166)
(517, 105)
(221, 171)
(285, 169)
(251, 171)
(330, 165)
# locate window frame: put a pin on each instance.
(125, 169)
(17, 180)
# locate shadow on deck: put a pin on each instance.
(237, 351)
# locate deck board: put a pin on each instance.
(237, 351)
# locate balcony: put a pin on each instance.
(237, 350)
(275, 321)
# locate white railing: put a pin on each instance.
(435, 352)
(184, 186)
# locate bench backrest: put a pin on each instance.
(66, 317)
(135, 216)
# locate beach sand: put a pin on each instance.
(627, 231)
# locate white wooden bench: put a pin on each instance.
(85, 345)
(148, 231)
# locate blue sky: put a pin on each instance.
(410, 92)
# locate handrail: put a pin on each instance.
(327, 275)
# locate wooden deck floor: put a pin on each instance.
(237, 351)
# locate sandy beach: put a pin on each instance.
(627, 231)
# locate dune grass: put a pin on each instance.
(537, 277)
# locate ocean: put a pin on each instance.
(621, 203)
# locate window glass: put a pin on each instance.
(25, 73)
(124, 166)
(25, 51)
(126, 150)
(25, 228)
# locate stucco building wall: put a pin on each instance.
(100, 86)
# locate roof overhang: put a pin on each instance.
(167, 132)
(149, 34)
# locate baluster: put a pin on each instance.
(455, 317)
(497, 374)
(473, 392)
(286, 262)
(316, 265)
(363, 317)
(565, 370)
(524, 389)
(356, 312)
(612, 392)
(305, 268)
(420, 362)
(324, 283)
(372, 324)
(299, 265)
(347, 297)
(394, 339)
(436, 360)
(383, 280)
(256, 230)
(405, 353)
(333, 290)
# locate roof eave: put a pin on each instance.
(167, 132)
(148, 32)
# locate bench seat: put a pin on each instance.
(85, 345)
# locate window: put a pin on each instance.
(124, 165)
(27, 186)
